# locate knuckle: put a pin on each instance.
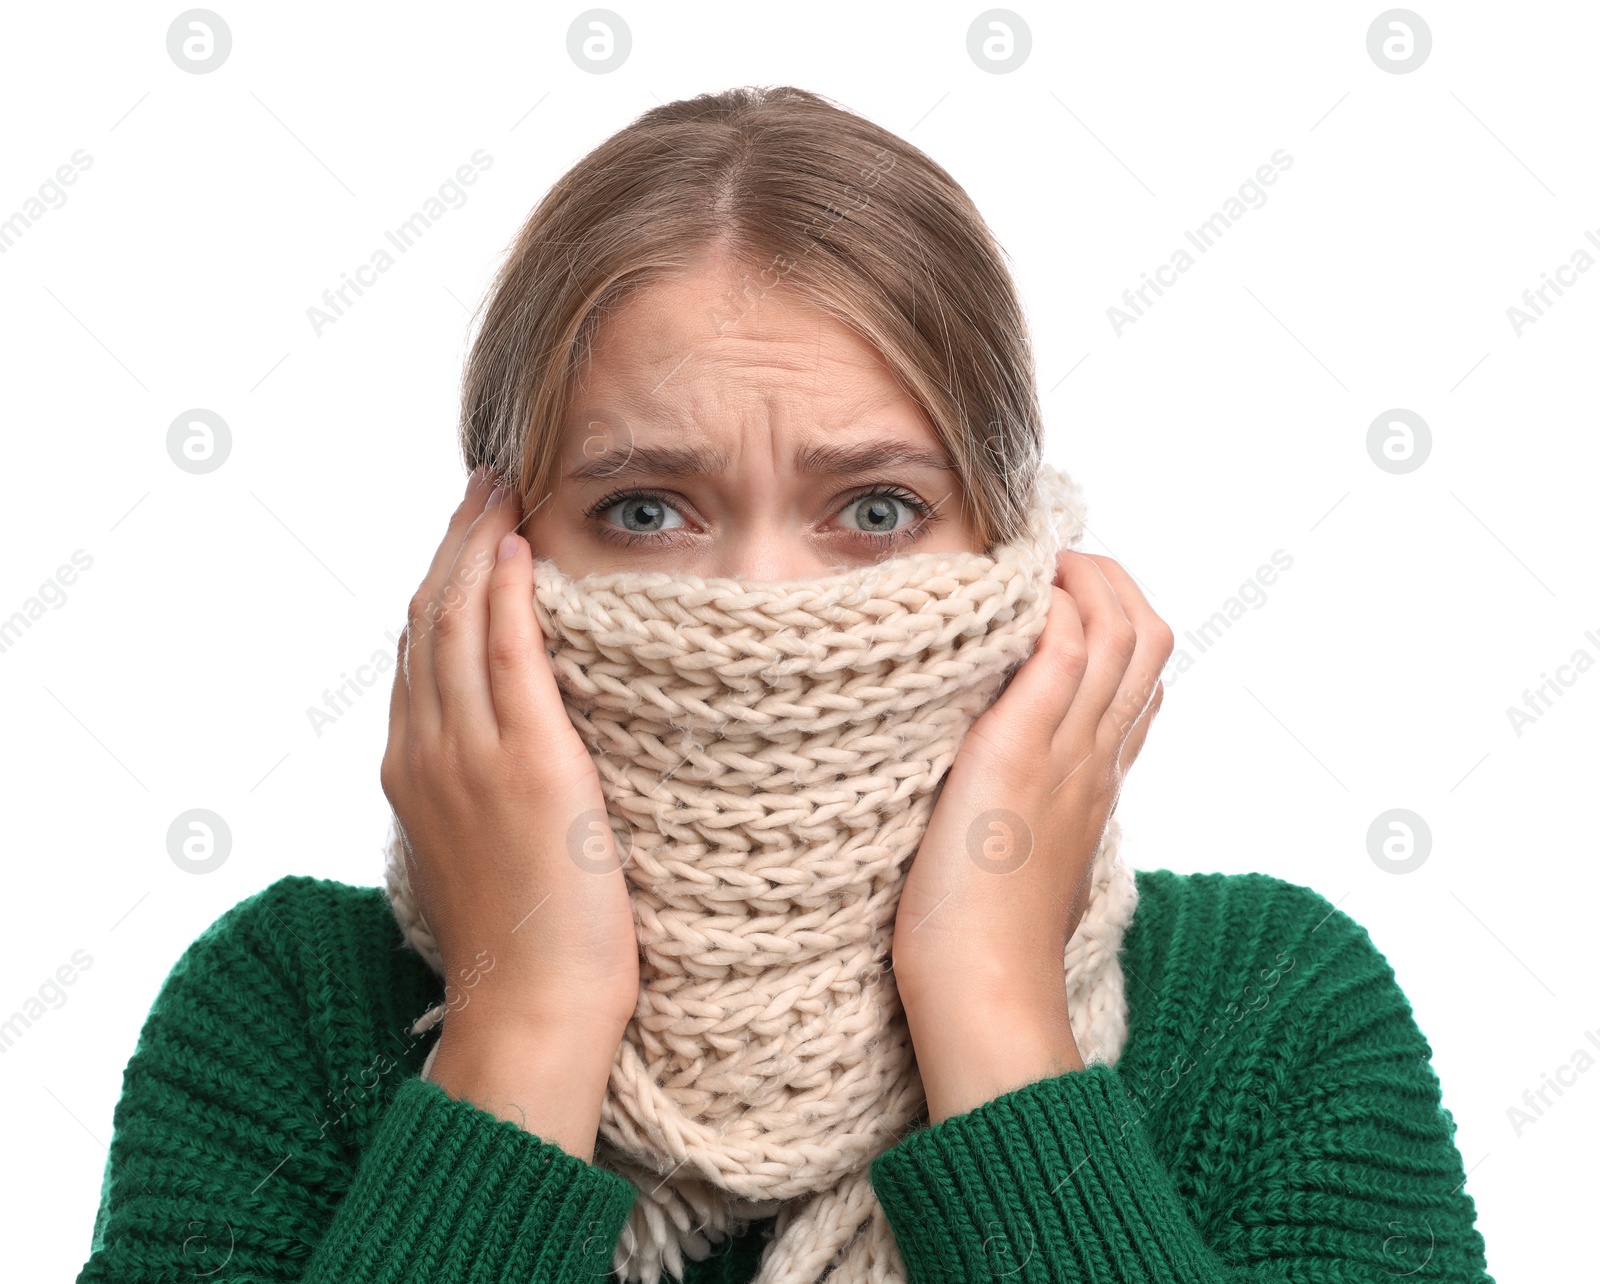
(400, 770)
(507, 650)
(1072, 658)
(419, 609)
(1121, 639)
(390, 777)
(449, 615)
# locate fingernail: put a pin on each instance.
(475, 483)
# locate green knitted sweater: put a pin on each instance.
(1274, 1116)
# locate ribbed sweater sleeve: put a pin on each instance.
(234, 1152)
(1293, 1128)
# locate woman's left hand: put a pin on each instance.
(1002, 876)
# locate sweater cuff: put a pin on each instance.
(448, 1191)
(1054, 1180)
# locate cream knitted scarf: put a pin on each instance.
(770, 753)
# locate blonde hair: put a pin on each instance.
(797, 193)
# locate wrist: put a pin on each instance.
(971, 1048)
(550, 1082)
(541, 1050)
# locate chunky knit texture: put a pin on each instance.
(769, 754)
(1274, 1116)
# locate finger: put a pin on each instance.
(1041, 691)
(1152, 649)
(461, 637)
(426, 712)
(399, 700)
(1110, 639)
(1136, 736)
(522, 682)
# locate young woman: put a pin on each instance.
(774, 916)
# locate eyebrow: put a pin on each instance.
(695, 461)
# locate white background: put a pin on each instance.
(1228, 422)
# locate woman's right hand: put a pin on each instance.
(499, 806)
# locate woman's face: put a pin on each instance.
(749, 437)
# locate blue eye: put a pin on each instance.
(872, 518)
(642, 514)
(876, 513)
